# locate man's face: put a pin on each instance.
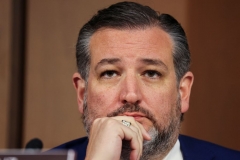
(132, 74)
(136, 67)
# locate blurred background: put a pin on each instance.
(37, 60)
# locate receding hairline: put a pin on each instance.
(169, 36)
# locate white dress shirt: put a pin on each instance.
(175, 153)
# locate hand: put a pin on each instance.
(106, 135)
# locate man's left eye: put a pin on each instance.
(152, 74)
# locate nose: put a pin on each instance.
(130, 91)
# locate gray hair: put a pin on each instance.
(131, 15)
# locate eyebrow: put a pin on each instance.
(146, 61)
(107, 61)
(156, 62)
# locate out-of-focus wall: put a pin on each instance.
(5, 49)
(214, 36)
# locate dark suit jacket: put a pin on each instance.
(192, 149)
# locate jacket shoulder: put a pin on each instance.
(192, 147)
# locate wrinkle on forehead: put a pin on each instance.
(149, 43)
(110, 33)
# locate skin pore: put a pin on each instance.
(131, 77)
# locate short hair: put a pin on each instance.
(131, 15)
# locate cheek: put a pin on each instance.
(163, 105)
(162, 94)
(161, 99)
(100, 100)
(95, 100)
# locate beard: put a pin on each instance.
(163, 137)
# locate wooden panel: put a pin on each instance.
(5, 34)
(51, 108)
(214, 42)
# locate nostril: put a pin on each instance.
(136, 103)
(124, 102)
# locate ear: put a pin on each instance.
(185, 86)
(79, 85)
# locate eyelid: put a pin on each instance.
(153, 71)
(108, 71)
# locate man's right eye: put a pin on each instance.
(108, 74)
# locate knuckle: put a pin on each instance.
(96, 121)
(109, 122)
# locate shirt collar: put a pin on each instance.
(175, 153)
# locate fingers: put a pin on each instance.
(136, 124)
(145, 134)
(134, 133)
(107, 133)
(105, 140)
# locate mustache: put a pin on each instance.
(129, 107)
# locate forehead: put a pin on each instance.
(150, 43)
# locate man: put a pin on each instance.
(133, 87)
